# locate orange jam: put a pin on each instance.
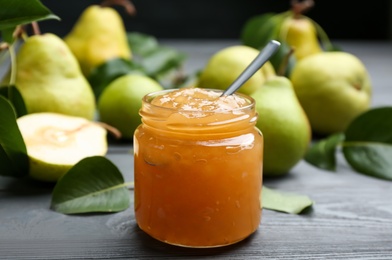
(198, 167)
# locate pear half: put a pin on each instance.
(56, 142)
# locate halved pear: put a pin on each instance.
(56, 142)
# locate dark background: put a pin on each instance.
(220, 19)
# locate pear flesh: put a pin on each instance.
(98, 36)
(227, 64)
(284, 125)
(50, 80)
(56, 142)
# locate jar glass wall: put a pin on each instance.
(198, 172)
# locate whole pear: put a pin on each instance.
(333, 88)
(120, 102)
(300, 33)
(49, 78)
(227, 64)
(284, 125)
(98, 36)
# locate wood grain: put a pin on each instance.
(351, 218)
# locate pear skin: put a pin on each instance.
(300, 34)
(49, 78)
(120, 102)
(333, 88)
(284, 125)
(98, 36)
(227, 64)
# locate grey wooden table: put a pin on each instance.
(351, 218)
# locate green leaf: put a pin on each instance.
(142, 44)
(323, 153)
(257, 31)
(368, 144)
(156, 61)
(14, 161)
(162, 60)
(93, 185)
(7, 34)
(284, 202)
(101, 76)
(18, 12)
(16, 99)
(154, 58)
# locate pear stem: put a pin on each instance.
(20, 33)
(285, 62)
(11, 49)
(114, 131)
(300, 7)
(127, 4)
(36, 29)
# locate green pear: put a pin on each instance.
(120, 102)
(49, 78)
(284, 125)
(300, 33)
(56, 142)
(227, 64)
(98, 36)
(333, 88)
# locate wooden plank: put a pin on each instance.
(351, 218)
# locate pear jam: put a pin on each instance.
(198, 167)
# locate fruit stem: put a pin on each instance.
(114, 131)
(325, 41)
(300, 7)
(127, 4)
(285, 62)
(36, 30)
(11, 49)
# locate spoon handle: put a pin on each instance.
(255, 65)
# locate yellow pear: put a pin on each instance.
(98, 36)
(284, 125)
(227, 64)
(49, 78)
(300, 33)
(333, 88)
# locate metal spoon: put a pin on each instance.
(255, 65)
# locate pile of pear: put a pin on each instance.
(281, 118)
(317, 90)
(324, 92)
(51, 73)
(333, 86)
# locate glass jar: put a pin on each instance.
(198, 174)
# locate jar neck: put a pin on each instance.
(171, 121)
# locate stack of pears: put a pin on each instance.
(294, 30)
(332, 86)
(98, 36)
(282, 120)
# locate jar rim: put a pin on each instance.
(150, 96)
